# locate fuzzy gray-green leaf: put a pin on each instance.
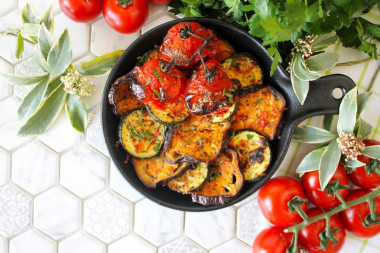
(16, 79)
(313, 135)
(30, 30)
(31, 101)
(48, 19)
(60, 54)
(28, 14)
(354, 163)
(45, 41)
(77, 113)
(38, 58)
(323, 41)
(364, 129)
(362, 101)
(300, 87)
(101, 65)
(300, 70)
(322, 62)
(19, 46)
(329, 163)
(311, 161)
(45, 115)
(328, 121)
(372, 151)
(347, 112)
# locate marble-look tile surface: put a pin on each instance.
(4, 166)
(80, 242)
(5, 88)
(32, 242)
(160, 20)
(182, 245)
(234, 245)
(15, 210)
(3, 244)
(94, 133)
(155, 10)
(133, 243)
(40, 5)
(56, 213)
(7, 6)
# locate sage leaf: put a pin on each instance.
(28, 14)
(300, 87)
(22, 80)
(311, 161)
(31, 102)
(45, 41)
(101, 65)
(322, 62)
(323, 41)
(364, 129)
(59, 57)
(45, 115)
(313, 135)
(328, 121)
(30, 30)
(354, 164)
(347, 112)
(362, 100)
(372, 151)
(19, 46)
(52, 85)
(329, 163)
(48, 19)
(77, 113)
(39, 59)
(301, 71)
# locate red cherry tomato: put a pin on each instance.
(273, 200)
(128, 19)
(159, 1)
(81, 10)
(272, 240)
(308, 237)
(351, 216)
(312, 188)
(359, 176)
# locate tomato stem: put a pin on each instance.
(124, 3)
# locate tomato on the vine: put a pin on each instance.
(312, 188)
(160, 1)
(272, 240)
(273, 200)
(81, 10)
(125, 16)
(352, 217)
(359, 175)
(308, 237)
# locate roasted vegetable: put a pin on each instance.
(222, 115)
(260, 111)
(254, 153)
(225, 50)
(122, 98)
(225, 181)
(171, 114)
(194, 177)
(140, 135)
(149, 55)
(195, 140)
(155, 171)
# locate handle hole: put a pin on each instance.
(337, 93)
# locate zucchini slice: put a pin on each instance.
(243, 70)
(195, 140)
(225, 182)
(122, 98)
(254, 153)
(155, 171)
(194, 177)
(140, 135)
(222, 115)
(260, 111)
(173, 114)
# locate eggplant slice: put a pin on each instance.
(225, 182)
(254, 154)
(194, 177)
(222, 115)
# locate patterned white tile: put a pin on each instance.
(181, 245)
(234, 245)
(107, 216)
(94, 134)
(133, 243)
(3, 244)
(4, 166)
(5, 88)
(83, 170)
(210, 228)
(32, 242)
(114, 41)
(80, 243)
(163, 19)
(56, 213)
(152, 222)
(250, 221)
(40, 5)
(34, 167)
(14, 211)
(155, 10)
(7, 6)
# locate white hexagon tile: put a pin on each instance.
(32, 240)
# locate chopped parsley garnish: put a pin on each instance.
(233, 62)
(259, 100)
(148, 82)
(158, 94)
(249, 136)
(216, 175)
(216, 100)
(232, 89)
(175, 75)
(230, 97)
(155, 72)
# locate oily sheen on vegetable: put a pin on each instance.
(181, 110)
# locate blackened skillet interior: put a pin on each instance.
(319, 101)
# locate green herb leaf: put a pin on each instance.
(322, 62)
(362, 100)
(22, 80)
(300, 87)
(101, 65)
(46, 113)
(311, 161)
(373, 167)
(48, 19)
(363, 129)
(155, 72)
(28, 14)
(52, 85)
(175, 75)
(347, 112)
(59, 57)
(323, 41)
(30, 30)
(329, 163)
(354, 164)
(148, 82)
(76, 111)
(39, 59)
(158, 94)
(31, 101)
(249, 136)
(313, 135)
(327, 121)
(45, 41)
(19, 46)
(372, 151)
(301, 71)
(273, 51)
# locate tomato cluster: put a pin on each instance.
(124, 16)
(273, 201)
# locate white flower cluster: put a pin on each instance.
(78, 84)
(304, 46)
(350, 145)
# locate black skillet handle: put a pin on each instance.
(320, 99)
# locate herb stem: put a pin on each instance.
(14, 34)
(374, 79)
(350, 63)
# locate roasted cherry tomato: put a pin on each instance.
(351, 216)
(274, 197)
(308, 237)
(312, 188)
(359, 176)
(81, 10)
(159, 1)
(208, 89)
(125, 17)
(272, 240)
(180, 48)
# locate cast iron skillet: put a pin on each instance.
(319, 101)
